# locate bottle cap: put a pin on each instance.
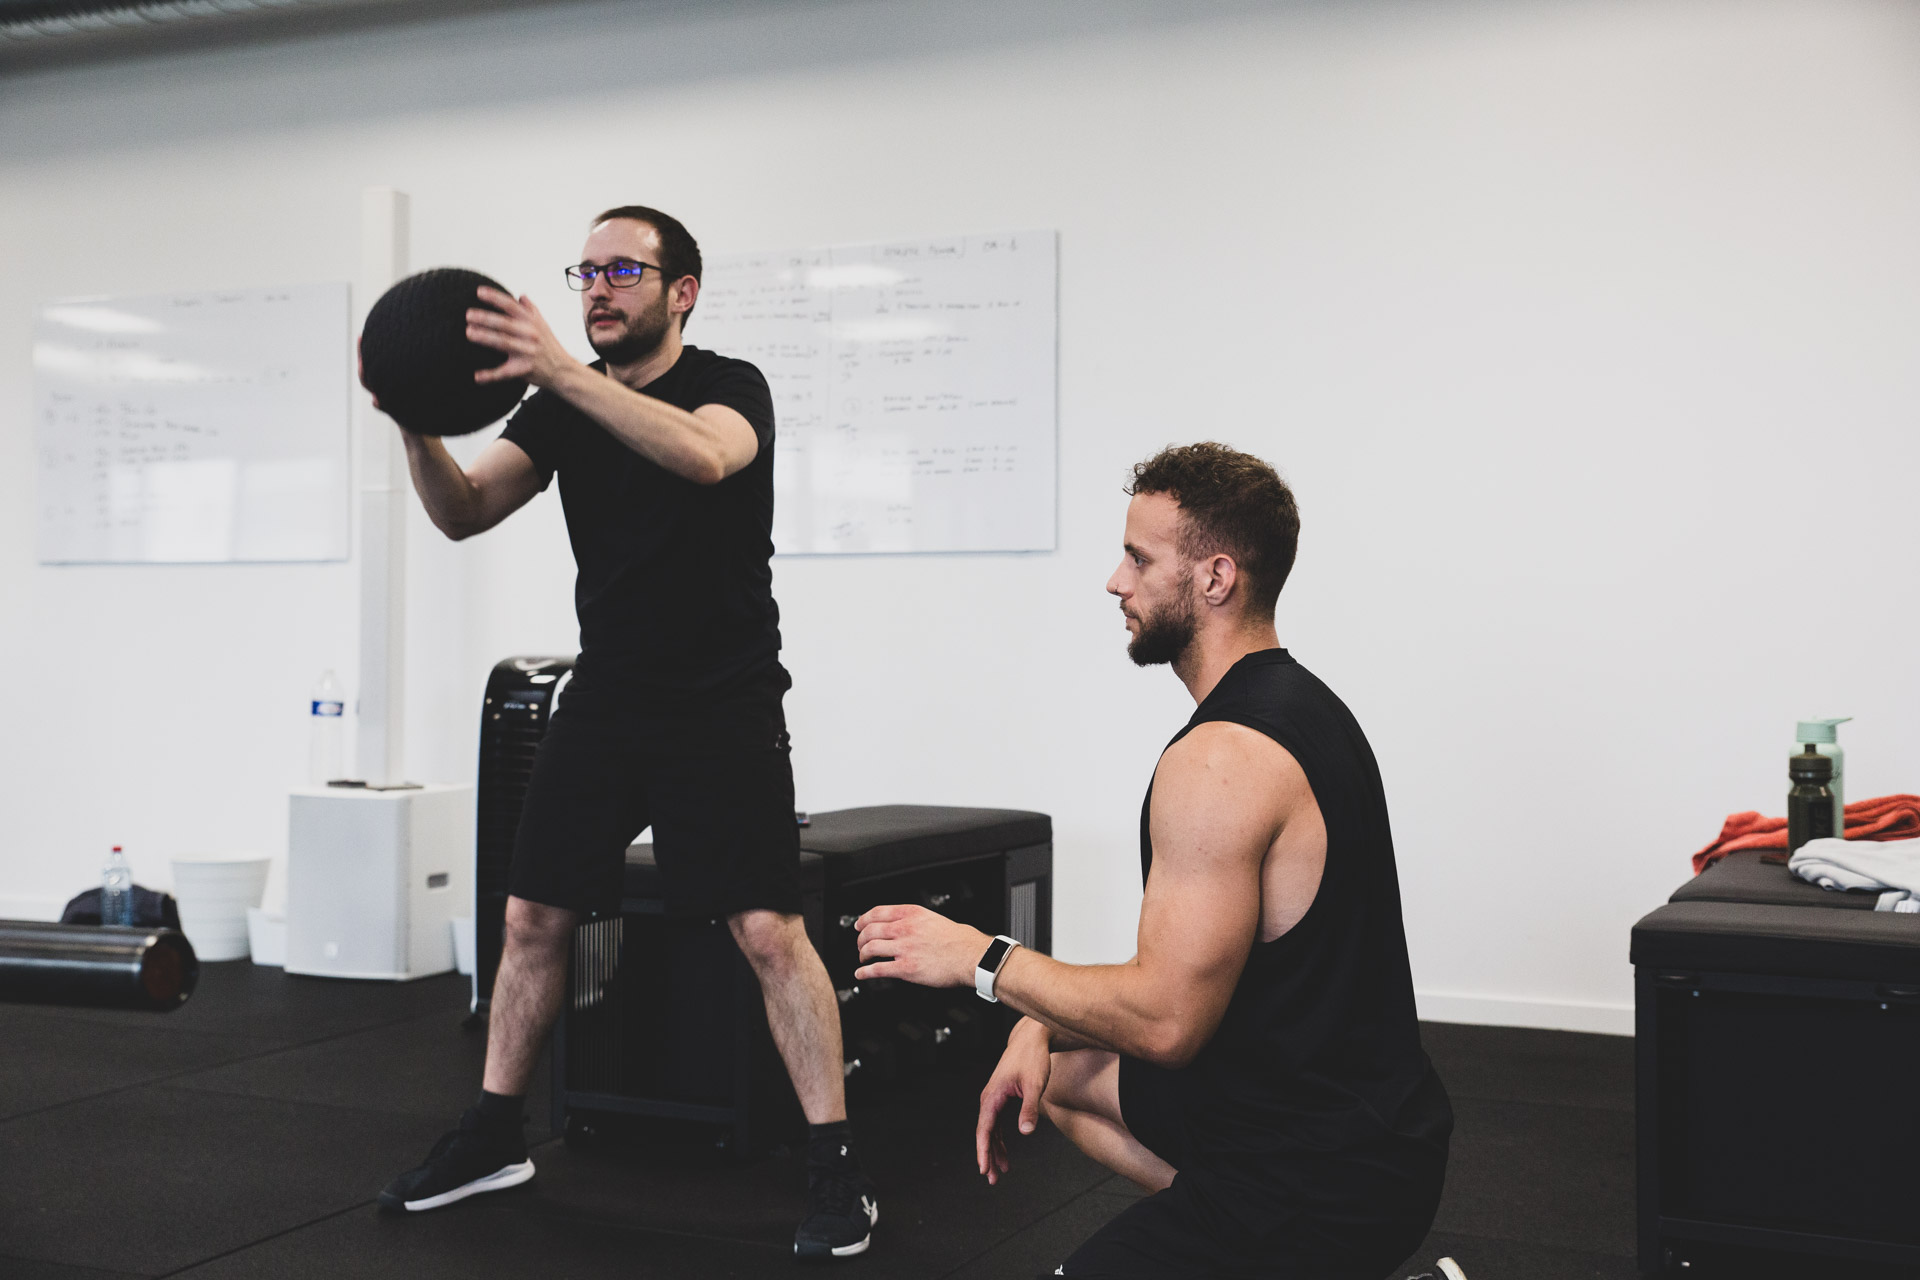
(1810, 766)
(1819, 730)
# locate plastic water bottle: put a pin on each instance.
(327, 739)
(116, 890)
(1810, 806)
(1824, 737)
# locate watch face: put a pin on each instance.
(996, 952)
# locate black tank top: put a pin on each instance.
(1314, 1093)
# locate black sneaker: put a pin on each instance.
(464, 1163)
(840, 1222)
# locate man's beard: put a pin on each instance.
(639, 340)
(1165, 634)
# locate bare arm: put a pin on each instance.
(704, 446)
(1212, 824)
(461, 502)
(1221, 797)
(1059, 1039)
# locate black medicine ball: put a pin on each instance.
(417, 361)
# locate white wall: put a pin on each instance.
(1585, 332)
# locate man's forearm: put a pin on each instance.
(1059, 1039)
(451, 501)
(1104, 1006)
(664, 434)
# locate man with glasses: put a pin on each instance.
(673, 718)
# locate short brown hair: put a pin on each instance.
(1232, 504)
(679, 252)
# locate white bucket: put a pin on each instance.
(267, 937)
(214, 894)
(462, 927)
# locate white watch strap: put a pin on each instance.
(983, 979)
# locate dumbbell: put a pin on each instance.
(960, 1033)
(947, 898)
(951, 1035)
(872, 1065)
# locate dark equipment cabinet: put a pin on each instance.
(513, 718)
(1777, 1048)
(663, 1018)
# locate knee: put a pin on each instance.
(536, 927)
(769, 940)
(1075, 1083)
(1056, 1102)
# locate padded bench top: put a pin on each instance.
(1743, 877)
(849, 844)
(886, 838)
(1809, 942)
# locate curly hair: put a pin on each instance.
(1231, 504)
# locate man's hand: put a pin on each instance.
(920, 946)
(515, 326)
(1023, 1073)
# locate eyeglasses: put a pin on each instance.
(621, 273)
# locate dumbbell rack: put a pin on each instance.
(663, 1018)
(893, 1029)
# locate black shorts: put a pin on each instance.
(1182, 1233)
(1172, 1232)
(724, 836)
(1190, 1230)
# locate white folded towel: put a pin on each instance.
(1890, 866)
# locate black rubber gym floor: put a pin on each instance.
(247, 1134)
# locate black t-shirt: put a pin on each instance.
(675, 592)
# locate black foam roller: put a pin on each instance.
(416, 359)
(101, 968)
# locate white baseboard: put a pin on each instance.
(31, 908)
(1507, 1011)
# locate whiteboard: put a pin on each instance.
(913, 386)
(195, 427)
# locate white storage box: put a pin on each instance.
(373, 879)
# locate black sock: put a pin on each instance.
(502, 1114)
(830, 1145)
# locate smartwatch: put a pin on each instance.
(990, 965)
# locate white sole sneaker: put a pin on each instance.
(499, 1180)
(860, 1246)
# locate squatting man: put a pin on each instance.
(1257, 1064)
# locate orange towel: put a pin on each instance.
(1887, 818)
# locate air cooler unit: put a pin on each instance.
(520, 698)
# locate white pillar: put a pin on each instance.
(383, 488)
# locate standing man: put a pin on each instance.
(673, 717)
(1257, 1064)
